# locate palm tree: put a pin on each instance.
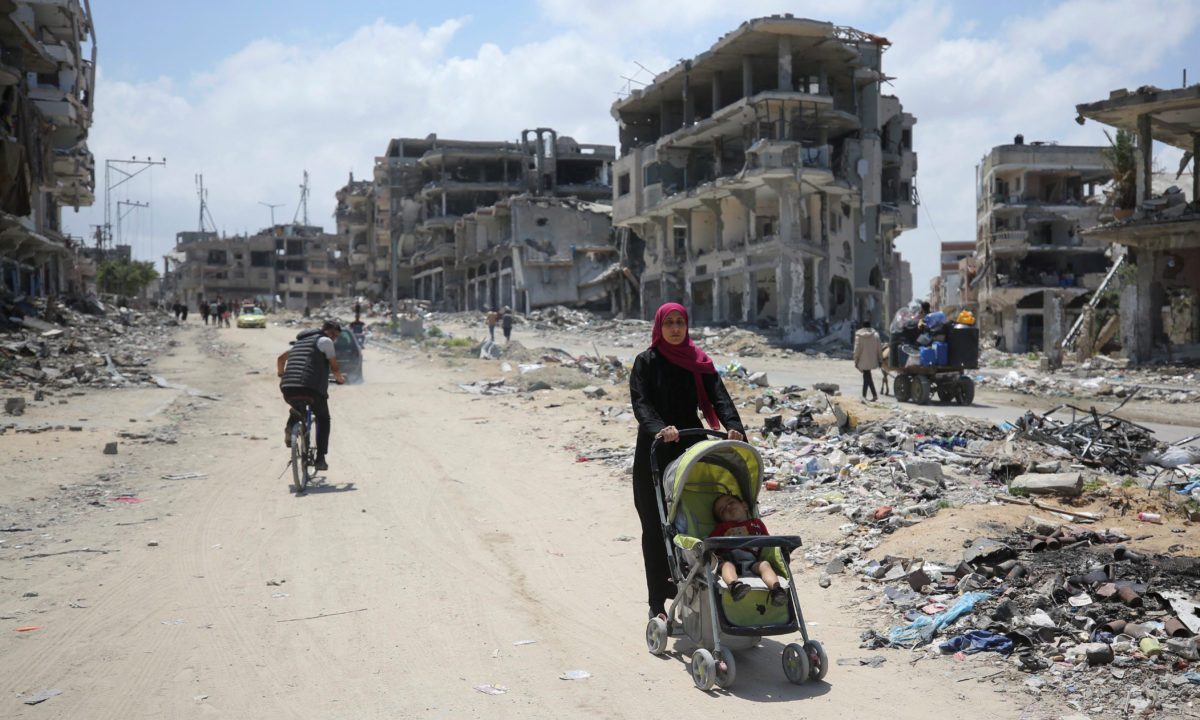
(1121, 156)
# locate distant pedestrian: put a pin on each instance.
(204, 311)
(492, 318)
(214, 314)
(868, 354)
(506, 322)
(183, 311)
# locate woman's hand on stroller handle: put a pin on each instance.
(668, 434)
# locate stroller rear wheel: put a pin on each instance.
(704, 669)
(795, 664)
(656, 636)
(817, 660)
(726, 668)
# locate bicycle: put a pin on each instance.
(304, 455)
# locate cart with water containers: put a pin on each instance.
(937, 370)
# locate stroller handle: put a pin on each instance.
(693, 432)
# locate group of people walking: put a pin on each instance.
(218, 311)
(504, 319)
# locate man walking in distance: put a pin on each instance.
(867, 352)
(304, 371)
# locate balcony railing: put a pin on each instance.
(1010, 238)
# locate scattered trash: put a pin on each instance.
(491, 689)
(41, 697)
(575, 675)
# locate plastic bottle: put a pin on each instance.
(1149, 517)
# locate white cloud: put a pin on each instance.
(623, 19)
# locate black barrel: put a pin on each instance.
(964, 346)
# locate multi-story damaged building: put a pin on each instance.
(47, 81)
(424, 187)
(769, 178)
(355, 218)
(1160, 300)
(530, 251)
(293, 266)
(1036, 267)
(900, 285)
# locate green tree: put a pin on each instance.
(1121, 156)
(125, 278)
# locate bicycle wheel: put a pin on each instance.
(299, 457)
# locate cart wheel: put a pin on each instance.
(726, 668)
(901, 387)
(817, 661)
(656, 636)
(966, 391)
(920, 390)
(795, 664)
(704, 669)
(947, 393)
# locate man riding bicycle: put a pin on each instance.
(304, 371)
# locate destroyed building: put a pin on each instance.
(528, 251)
(47, 79)
(292, 266)
(424, 188)
(1160, 305)
(355, 218)
(1036, 267)
(946, 288)
(769, 178)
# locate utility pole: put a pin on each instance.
(121, 215)
(204, 211)
(115, 166)
(272, 206)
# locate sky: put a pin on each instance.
(253, 94)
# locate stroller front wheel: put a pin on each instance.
(795, 664)
(704, 669)
(656, 636)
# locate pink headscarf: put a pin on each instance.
(687, 356)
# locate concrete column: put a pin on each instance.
(1054, 324)
(785, 294)
(822, 78)
(784, 74)
(749, 298)
(1145, 150)
(1195, 167)
(714, 206)
(718, 303)
(1137, 310)
(689, 102)
(663, 127)
(747, 77)
(716, 92)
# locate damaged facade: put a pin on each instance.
(1160, 307)
(445, 205)
(46, 79)
(293, 266)
(769, 178)
(1036, 269)
(355, 219)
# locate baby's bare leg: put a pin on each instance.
(764, 570)
(728, 572)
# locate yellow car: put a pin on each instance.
(252, 317)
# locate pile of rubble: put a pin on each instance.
(50, 347)
(1110, 629)
(1098, 377)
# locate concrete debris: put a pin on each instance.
(110, 448)
(1066, 484)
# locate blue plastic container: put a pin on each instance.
(928, 355)
(942, 352)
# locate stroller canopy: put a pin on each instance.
(705, 470)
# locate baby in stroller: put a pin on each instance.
(733, 516)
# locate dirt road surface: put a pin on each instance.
(449, 529)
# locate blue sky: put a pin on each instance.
(253, 93)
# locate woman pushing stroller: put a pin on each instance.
(671, 380)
